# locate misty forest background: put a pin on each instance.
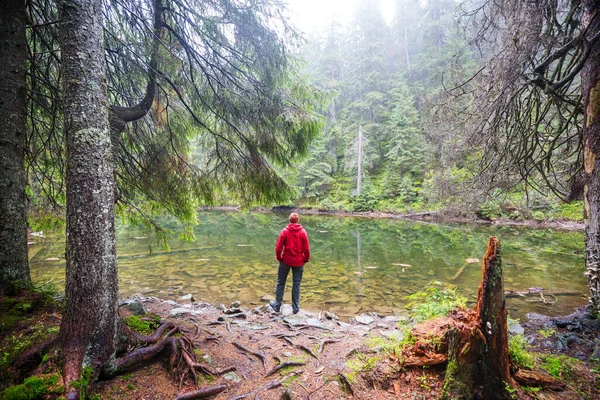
(390, 88)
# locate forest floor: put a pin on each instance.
(328, 358)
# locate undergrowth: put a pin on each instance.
(434, 301)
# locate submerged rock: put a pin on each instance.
(187, 297)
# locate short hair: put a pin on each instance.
(294, 218)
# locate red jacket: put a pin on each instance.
(292, 246)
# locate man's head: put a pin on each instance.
(294, 218)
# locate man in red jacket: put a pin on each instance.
(292, 251)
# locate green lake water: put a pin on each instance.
(357, 264)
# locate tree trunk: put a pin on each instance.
(89, 323)
(14, 265)
(590, 79)
(480, 363)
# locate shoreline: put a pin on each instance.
(425, 216)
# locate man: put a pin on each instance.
(292, 251)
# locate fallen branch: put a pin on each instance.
(535, 378)
(197, 394)
(284, 365)
(255, 353)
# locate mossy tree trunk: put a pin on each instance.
(590, 82)
(89, 324)
(478, 362)
(14, 265)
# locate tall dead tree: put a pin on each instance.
(478, 360)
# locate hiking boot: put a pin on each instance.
(275, 305)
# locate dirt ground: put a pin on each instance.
(328, 358)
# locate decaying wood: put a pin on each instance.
(493, 315)
(421, 361)
(258, 354)
(284, 365)
(537, 378)
(205, 392)
(477, 342)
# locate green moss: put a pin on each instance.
(517, 348)
(560, 367)
(546, 333)
(35, 387)
(144, 326)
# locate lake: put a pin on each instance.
(357, 264)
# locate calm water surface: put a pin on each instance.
(357, 264)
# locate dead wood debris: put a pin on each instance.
(537, 378)
(309, 351)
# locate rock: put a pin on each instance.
(287, 354)
(391, 319)
(330, 315)
(315, 323)
(295, 320)
(287, 395)
(232, 311)
(531, 339)
(136, 307)
(516, 329)
(179, 311)
(209, 360)
(343, 324)
(533, 316)
(286, 309)
(393, 334)
(232, 376)
(235, 304)
(364, 319)
(171, 302)
(187, 297)
(267, 297)
(596, 353)
(221, 307)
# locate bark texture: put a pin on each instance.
(590, 79)
(14, 265)
(478, 360)
(89, 324)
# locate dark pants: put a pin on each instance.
(282, 275)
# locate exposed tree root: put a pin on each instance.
(284, 365)
(422, 361)
(308, 350)
(346, 382)
(197, 394)
(260, 355)
(263, 388)
(323, 343)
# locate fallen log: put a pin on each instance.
(537, 378)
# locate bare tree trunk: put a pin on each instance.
(590, 79)
(360, 161)
(14, 265)
(333, 119)
(89, 322)
(481, 362)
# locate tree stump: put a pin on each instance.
(478, 360)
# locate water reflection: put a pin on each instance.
(357, 264)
